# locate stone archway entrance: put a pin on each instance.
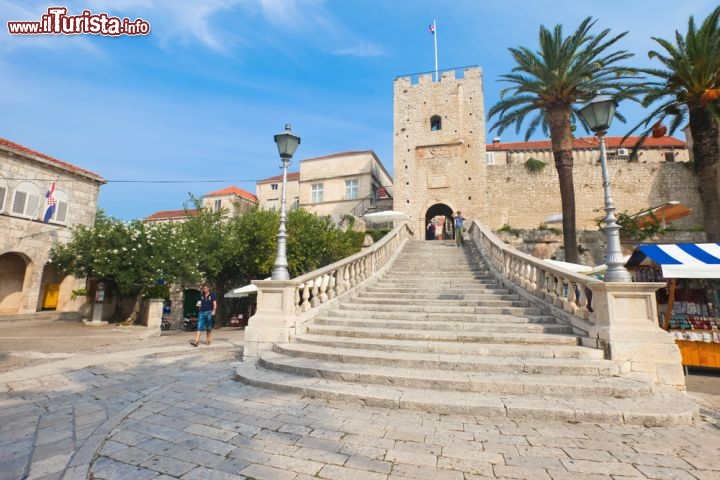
(14, 272)
(443, 217)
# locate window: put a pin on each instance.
(669, 156)
(490, 158)
(435, 123)
(273, 186)
(218, 205)
(61, 207)
(3, 194)
(351, 189)
(316, 193)
(272, 204)
(26, 201)
(295, 203)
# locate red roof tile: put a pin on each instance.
(168, 214)
(278, 178)
(16, 147)
(232, 191)
(592, 143)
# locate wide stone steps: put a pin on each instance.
(444, 336)
(533, 383)
(467, 363)
(445, 325)
(439, 333)
(449, 310)
(455, 348)
(422, 316)
(659, 409)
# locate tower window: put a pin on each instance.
(435, 123)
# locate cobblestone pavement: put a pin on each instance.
(168, 410)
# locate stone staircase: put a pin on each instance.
(440, 333)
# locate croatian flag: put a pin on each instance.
(432, 28)
(50, 202)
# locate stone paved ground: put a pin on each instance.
(162, 410)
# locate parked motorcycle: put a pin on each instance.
(164, 324)
(190, 324)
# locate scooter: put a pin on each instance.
(164, 324)
(190, 324)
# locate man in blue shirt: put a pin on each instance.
(459, 223)
(208, 306)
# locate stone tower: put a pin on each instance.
(439, 146)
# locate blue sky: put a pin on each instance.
(201, 97)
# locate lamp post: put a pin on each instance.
(287, 144)
(598, 114)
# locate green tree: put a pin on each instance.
(546, 84)
(687, 87)
(133, 255)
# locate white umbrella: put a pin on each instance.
(386, 216)
(555, 218)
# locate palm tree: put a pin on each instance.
(547, 84)
(687, 87)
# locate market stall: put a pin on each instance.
(688, 306)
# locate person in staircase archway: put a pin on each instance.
(459, 223)
(430, 231)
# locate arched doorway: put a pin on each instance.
(190, 299)
(442, 215)
(14, 274)
(50, 288)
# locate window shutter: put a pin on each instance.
(19, 203)
(61, 210)
(33, 205)
(3, 191)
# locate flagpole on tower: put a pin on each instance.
(434, 32)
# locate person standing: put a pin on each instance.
(206, 316)
(430, 231)
(459, 223)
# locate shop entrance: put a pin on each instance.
(442, 217)
(13, 270)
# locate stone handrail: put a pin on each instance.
(285, 307)
(565, 289)
(322, 285)
(618, 317)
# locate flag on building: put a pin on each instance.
(432, 28)
(50, 195)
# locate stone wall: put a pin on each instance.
(29, 239)
(444, 166)
(522, 199)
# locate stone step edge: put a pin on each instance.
(463, 363)
(573, 384)
(659, 410)
(360, 343)
(444, 326)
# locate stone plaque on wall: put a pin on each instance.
(438, 151)
(437, 181)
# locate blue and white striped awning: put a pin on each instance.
(686, 260)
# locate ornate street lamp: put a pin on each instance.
(598, 114)
(287, 144)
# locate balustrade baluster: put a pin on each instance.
(306, 296)
(315, 300)
(332, 285)
(297, 297)
(324, 281)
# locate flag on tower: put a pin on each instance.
(50, 195)
(432, 28)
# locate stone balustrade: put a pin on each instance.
(284, 307)
(620, 318)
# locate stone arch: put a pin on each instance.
(15, 278)
(442, 214)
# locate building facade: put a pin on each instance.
(233, 199)
(442, 164)
(333, 185)
(28, 282)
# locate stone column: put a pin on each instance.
(153, 317)
(626, 327)
(274, 320)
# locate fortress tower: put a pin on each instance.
(439, 146)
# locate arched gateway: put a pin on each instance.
(442, 216)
